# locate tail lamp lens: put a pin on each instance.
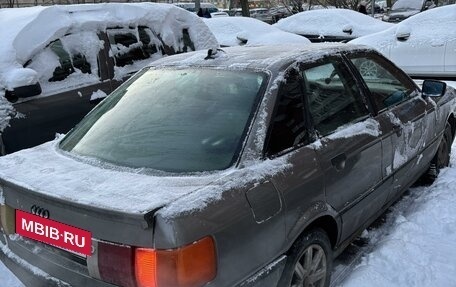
(189, 266)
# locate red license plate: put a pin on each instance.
(53, 233)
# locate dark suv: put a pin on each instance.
(246, 167)
(54, 72)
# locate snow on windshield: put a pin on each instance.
(238, 31)
(331, 22)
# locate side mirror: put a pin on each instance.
(23, 92)
(348, 29)
(403, 33)
(432, 88)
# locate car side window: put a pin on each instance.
(333, 96)
(129, 45)
(387, 86)
(288, 127)
(67, 56)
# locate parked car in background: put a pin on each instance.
(252, 166)
(211, 8)
(239, 31)
(423, 45)
(262, 14)
(328, 25)
(403, 9)
(54, 72)
(280, 12)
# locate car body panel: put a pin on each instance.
(255, 210)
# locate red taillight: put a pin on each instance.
(189, 266)
(116, 264)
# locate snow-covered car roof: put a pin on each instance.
(331, 22)
(237, 31)
(27, 30)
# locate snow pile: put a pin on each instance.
(331, 22)
(416, 247)
(238, 31)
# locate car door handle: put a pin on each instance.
(397, 129)
(338, 162)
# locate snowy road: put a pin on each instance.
(414, 246)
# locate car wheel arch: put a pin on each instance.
(327, 221)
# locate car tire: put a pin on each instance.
(309, 261)
(441, 158)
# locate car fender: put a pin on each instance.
(317, 214)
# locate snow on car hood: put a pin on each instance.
(230, 30)
(27, 30)
(331, 22)
(45, 169)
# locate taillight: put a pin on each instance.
(189, 266)
(112, 263)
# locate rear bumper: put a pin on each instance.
(37, 265)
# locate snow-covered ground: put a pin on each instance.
(414, 247)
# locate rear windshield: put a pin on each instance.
(185, 120)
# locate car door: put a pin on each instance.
(71, 74)
(450, 57)
(418, 52)
(350, 142)
(290, 138)
(410, 119)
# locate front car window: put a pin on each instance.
(387, 85)
(184, 120)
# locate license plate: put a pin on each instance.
(53, 233)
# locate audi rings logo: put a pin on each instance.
(39, 211)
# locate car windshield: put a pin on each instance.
(174, 120)
(404, 5)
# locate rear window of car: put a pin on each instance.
(174, 120)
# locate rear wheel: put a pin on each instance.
(309, 261)
(442, 156)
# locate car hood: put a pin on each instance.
(47, 171)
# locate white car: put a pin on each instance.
(239, 31)
(422, 45)
(331, 25)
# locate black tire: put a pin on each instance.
(309, 261)
(442, 156)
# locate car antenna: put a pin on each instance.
(211, 53)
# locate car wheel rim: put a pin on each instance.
(310, 270)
